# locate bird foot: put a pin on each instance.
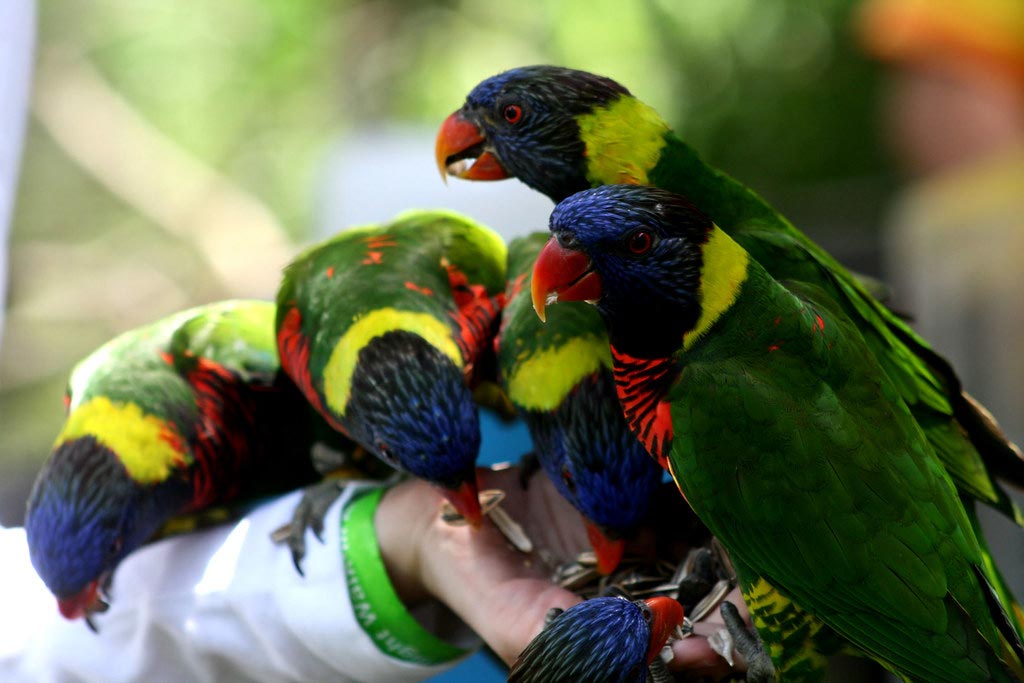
(308, 515)
(748, 644)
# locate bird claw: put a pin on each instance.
(748, 644)
(308, 515)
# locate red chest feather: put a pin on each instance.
(640, 384)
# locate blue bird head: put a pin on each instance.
(523, 123)
(411, 407)
(634, 251)
(601, 640)
(596, 463)
(84, 515)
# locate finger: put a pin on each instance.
(695, 656)
(553, 525)
(500, 593)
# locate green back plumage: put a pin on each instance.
(234, 334)
(134, 366)
(831, 493)
(408, 274)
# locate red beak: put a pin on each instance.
(666, 615)
(565, 273)
(83, 603)
(459, 139)
(466, 501)
(609, 551)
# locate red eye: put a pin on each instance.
(568, 480)
(640, 241)
(512, 113)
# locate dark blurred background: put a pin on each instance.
(179, 153)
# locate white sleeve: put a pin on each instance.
(224, 604)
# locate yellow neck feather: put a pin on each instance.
(542, 381)
(342, 363)
(623, 142)
(149, 447)
(721, 276)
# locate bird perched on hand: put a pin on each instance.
(175, 417)
(601, 640)
(559, 378)
(787, 438)
(561, 131)
(386, 328)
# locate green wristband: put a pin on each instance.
(377, 607)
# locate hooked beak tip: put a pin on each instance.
(466, 501)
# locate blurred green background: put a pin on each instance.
(175, 150)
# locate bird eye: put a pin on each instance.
(567, 479)
(386, 454)
(512, 113)
(640, 241)
(646, 612)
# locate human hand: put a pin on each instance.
(500, 592)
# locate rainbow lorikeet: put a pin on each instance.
(601, 640)
(177, 416)
(561, 131)
(787, 438)
(386, 329)
(559, 377)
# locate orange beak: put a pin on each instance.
(459, 140)
(562, 274)
(466, 501)
(666, 615)
(608, 550)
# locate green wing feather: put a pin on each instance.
(235, 334)
(831, 492)
(965, 438)
(133, 367)
(402, 266)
